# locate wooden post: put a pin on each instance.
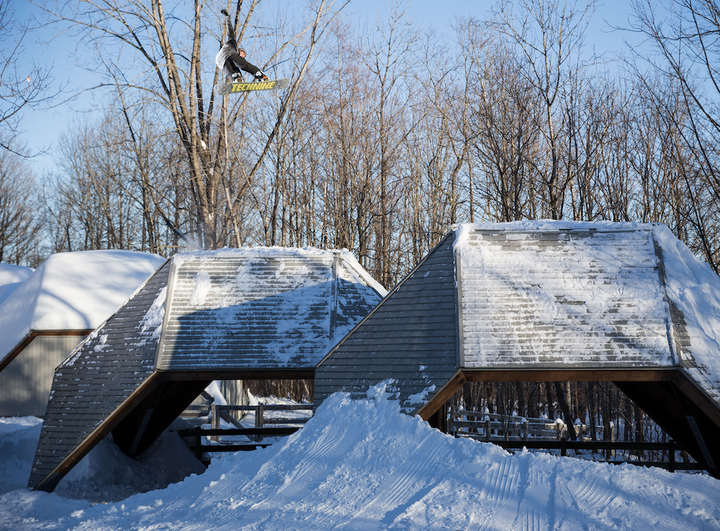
(671, 457)
(259, 420)
(214, 419)
(198, 443)
(563, 446)
(487, 429)
(438, 420)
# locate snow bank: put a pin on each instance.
(73, 291)
(11, 276)
(364, 465)
(18, 440)
(107, 474)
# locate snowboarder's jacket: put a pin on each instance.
(229, 60)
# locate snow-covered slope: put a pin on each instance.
(72, 291)
(11, 276)
(364, 465)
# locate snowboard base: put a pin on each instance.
(251, 86)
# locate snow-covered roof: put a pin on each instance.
(11, 276)
(72, 291)
(576, 294)
(264, 307)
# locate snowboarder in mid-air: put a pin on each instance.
(231, 59)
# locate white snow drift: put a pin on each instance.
(364, 465)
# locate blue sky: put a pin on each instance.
(43, 128)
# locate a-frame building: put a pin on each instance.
(248, 313)
(548, 301)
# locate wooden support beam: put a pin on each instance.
(442, 396)
(234, 374)
(149, 419)
(570, 375)
(696, 396)
(671, 409)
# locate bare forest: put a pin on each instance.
(388, 134)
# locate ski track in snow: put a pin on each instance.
(535, 496)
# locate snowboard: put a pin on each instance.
(232, 88)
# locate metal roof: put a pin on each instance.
(564, 298)
(260, 308)
(410, 338)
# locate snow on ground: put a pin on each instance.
(72, 291)
(11, 276)
(364, 465)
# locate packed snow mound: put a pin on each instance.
(73, 291)
(105, 474)
(362, 464)
(11, 276)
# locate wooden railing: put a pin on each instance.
(494, 427)
(218, 412)
(514, 433)
(266, 425)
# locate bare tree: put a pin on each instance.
(19, 217)
(346, 109)
(506, 128)
(686, 34)
(156, 48)
(389, 60)
(549, 37)
(21, 87)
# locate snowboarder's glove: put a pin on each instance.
(224, 12)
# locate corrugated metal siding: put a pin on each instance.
(538, 299)
(25, 382)
(253, 310)
(98, 377)
(410, 337)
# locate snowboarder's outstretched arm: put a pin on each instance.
(231, 59)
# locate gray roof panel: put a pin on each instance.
(409, 338)
(260, 308)
(569, 299)
(100, 375)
